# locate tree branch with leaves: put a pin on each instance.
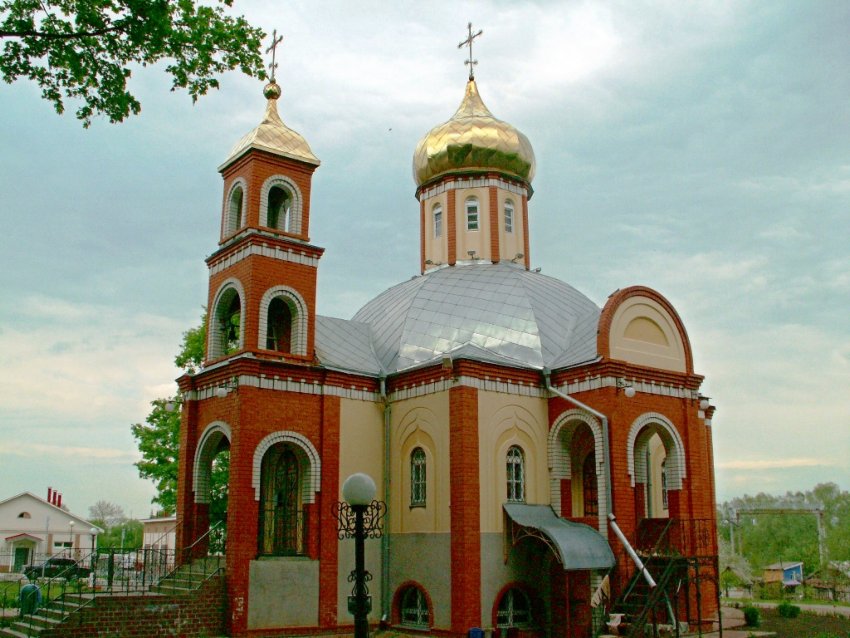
(86, 50)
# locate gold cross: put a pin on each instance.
(468, 43)
(273, 50)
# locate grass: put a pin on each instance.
(806, 625)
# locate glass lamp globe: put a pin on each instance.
(359, 489)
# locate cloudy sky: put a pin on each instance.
(702, 149)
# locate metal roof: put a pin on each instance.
(505, 313)
(346, 345)
(578, 546)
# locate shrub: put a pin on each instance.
(787, 610)
(752, 616)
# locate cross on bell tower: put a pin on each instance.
(468, 43)
(273, 50)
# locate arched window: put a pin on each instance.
(235, 216)
(281, 527)
(472, 213)
(509, 216)
(418, 477)
(279, 334)
(514, 610)
(438, 220)
(24, 515)
(515, 475)
(279, 208)
(589, 486)
(414, 608)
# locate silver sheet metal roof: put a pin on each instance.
(579, 546)
(346, 345)
(500, 312)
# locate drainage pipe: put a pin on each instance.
(385, 537)
(631, 552)
(606, 457)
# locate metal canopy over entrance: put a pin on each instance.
(576, 545)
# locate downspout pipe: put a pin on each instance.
(606, 458)
(606, 452)
(385, 537)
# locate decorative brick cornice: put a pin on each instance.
(457, 182)
(264, 245)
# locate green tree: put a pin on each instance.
(127, 535)
(85, 51)
(766, 538)
(159, 440)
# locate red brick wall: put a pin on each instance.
(494, 225)
(199, 614)
(465, 495)
(257, 274)
(451, 226)
(256, 167)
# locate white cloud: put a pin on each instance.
(42, 451)
(772, 464)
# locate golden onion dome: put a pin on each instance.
(273, 136)
(473, 140)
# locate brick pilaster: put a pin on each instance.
(465, 509)
(451, 226)
(495, 251)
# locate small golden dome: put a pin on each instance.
(473, 140)
(273, 136)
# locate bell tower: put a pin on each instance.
(262, 292)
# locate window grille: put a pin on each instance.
(509, 216)
(414, 608)
(516, 474)
(417, 478)
(471, 214)
(514, 610)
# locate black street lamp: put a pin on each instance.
(359, 517)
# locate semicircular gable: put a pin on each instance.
(640, 326)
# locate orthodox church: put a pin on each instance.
(541, 458)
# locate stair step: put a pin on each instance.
(8, 632)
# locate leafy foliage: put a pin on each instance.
(159, 440)
(763, 539)
(752, 616)
(127, 534)
(787, 610)
(85, 50)
(191, 354)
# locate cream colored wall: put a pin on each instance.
(506, 420)
(657, 455)
(643, 332)
(420, 422)
(510, 244)
(436, 248)
(361, 441)
(477, 240)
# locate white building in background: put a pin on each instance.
(32, 529)
(159, 533)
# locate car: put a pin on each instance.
(56, 567)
